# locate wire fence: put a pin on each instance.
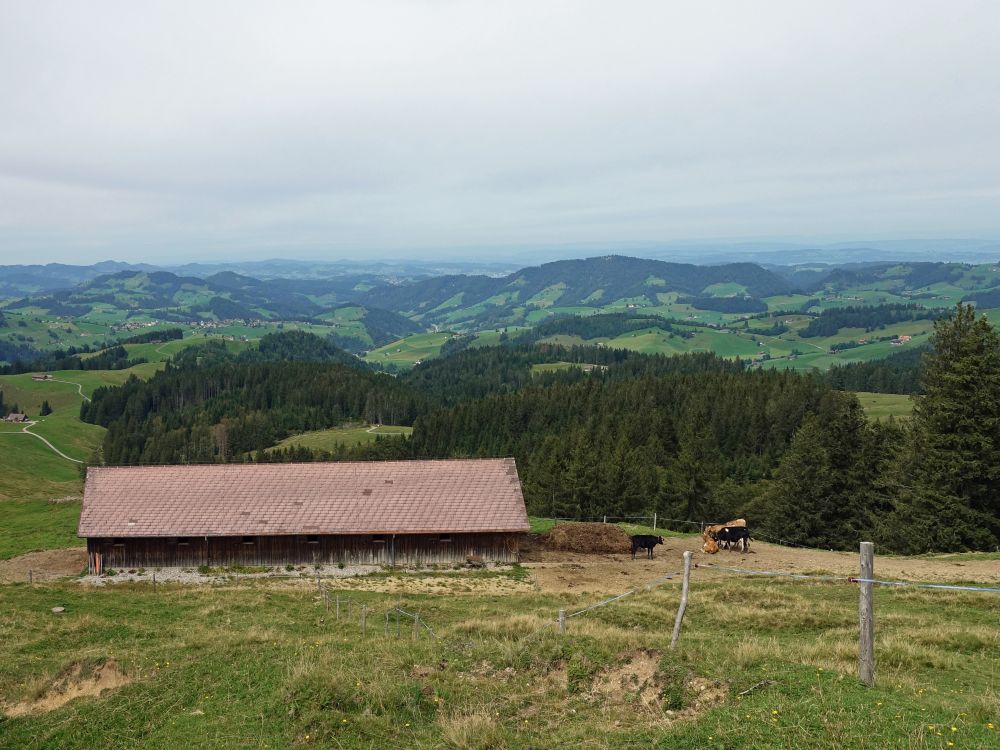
(852, 579)
(865, 582)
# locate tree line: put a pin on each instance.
(831, 320)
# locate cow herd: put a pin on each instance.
(733, 535)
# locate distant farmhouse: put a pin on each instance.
(376, 513)
(16, 417)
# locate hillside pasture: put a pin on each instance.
(885, 405)
(405, 352)
(329, 440)
(39, 524)
(762, 662)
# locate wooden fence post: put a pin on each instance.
(562, 622)
(654, 520)
(338, 606)
(154, 581)
(364, 620)
(31, 578)
(385, 629)
(866, 617)
(416, 626)
(684, 600)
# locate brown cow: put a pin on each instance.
(711, 531)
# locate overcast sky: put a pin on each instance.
(174, 130)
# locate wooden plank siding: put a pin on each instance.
(364, 549)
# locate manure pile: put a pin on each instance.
(601, 538)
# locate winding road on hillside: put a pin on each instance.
(26, 430)
(79, 387)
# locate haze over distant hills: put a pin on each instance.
(17, 279)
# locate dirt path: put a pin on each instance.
(558, 572)
(79, 388)
(26, 431)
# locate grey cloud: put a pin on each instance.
(392, 127)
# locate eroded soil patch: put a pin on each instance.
(81, 680)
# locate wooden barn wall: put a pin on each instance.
(410, 549)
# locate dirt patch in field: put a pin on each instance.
(707, 693)
(81, 680)
(638, 682)
(592, 538)
(55, 563)
(555, 571)
(638, 676)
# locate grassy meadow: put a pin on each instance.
(406, 352)
(328, 440)
(32, 525)
(265, 664)
(885, 405)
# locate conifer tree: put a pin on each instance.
(956, 435)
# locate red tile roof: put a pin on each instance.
(375, 497)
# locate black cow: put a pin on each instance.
(734, 537)
(646, 542)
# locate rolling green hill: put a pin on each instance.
(532, 294)
(800, 317)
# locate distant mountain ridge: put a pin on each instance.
(21, 280)
(592, 282)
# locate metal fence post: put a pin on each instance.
(684, 600)
(866, 617)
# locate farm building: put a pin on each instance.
(380, 513)
(16, 417)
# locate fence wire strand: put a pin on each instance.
(853, 579)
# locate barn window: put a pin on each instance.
(184, 541)
(444, 537)
(312, 539)
(378, 538)
(249, 540)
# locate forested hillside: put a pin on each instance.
(869, 318)
(601, 431)
(594, 282)
(213, 406)
(897, 373)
